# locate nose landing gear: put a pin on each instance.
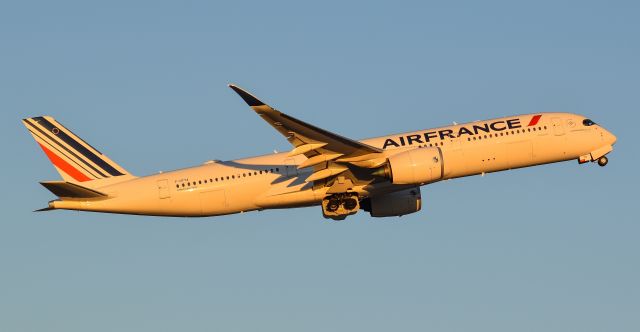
(603, 161)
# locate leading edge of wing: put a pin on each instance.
(286, 124)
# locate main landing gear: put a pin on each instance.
(339, 206)
(603, 161)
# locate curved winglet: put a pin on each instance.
(250, 99)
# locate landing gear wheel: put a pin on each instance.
(350, 204)
(333, 205)
(603, 161)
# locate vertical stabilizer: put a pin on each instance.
(73, 158)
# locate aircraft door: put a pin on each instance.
(558, 128)
(163, 189)
(290, 167)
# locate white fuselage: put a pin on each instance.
(274, 181)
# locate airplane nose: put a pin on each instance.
(610, 138)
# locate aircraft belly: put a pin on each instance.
(213, 201)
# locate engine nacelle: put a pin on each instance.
(417, 166)
(394, 204)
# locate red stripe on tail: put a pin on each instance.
(65, 166)
(534, 120)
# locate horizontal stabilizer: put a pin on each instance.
(69, 190)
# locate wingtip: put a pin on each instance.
(247, 97)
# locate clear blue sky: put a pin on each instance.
(551, 248)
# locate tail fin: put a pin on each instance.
(73, 158)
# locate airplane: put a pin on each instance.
(380, 175)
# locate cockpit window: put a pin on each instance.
(588, 122)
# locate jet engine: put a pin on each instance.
(394, 204)
(417, 166)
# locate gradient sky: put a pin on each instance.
(550, 248)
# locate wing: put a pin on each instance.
(327, 152)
